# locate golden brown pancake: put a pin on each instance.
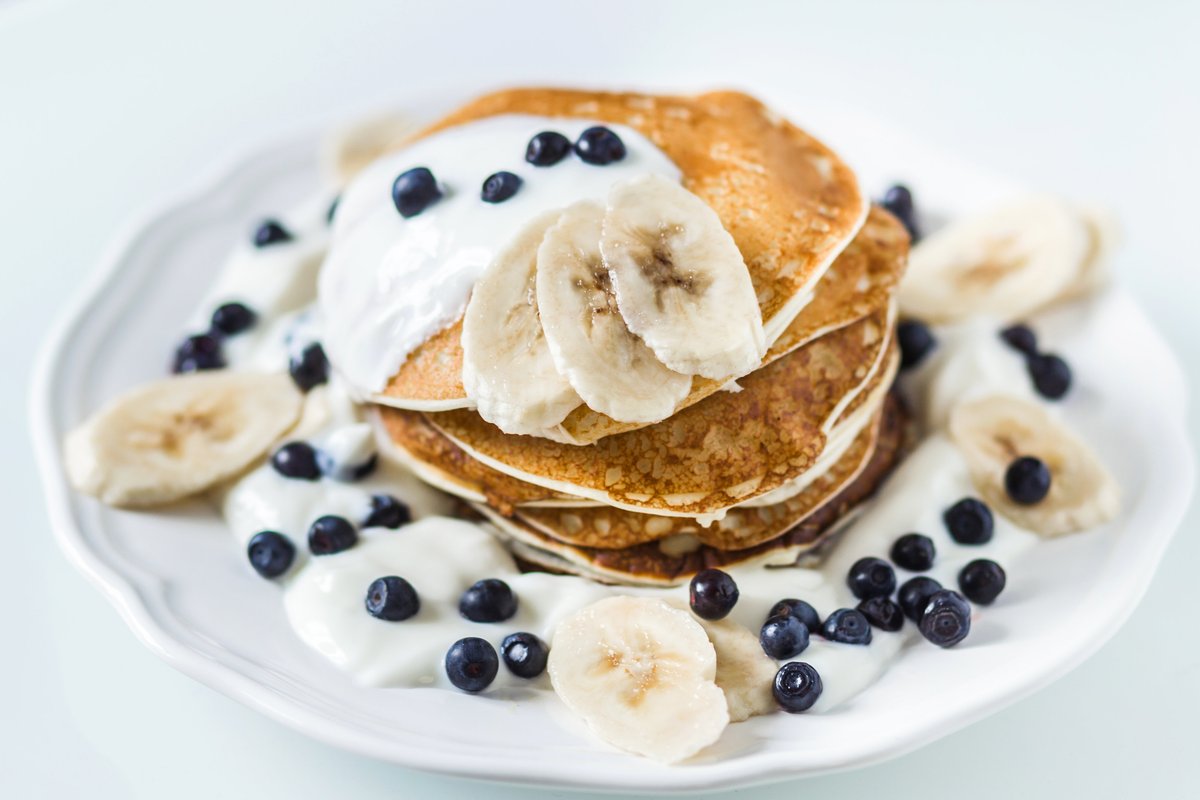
(790, 204)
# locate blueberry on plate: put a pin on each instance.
(1051, 375)
(233, 318)
(914, 552)
(414, 191)
(871, 577)
(296, 460)
(797, 686)
(982, 581)
(969, 521)
(883, 613)
(946, 620)
(914, 595)
(270, 232)
(916, 342)
(1027, 480)
(310, 368)
(712, 594)
(799, 609)
(898, 200)
(599, 145)
(489, 600)
(331, 534)
(198, 353)
(1020, 338)
(524, 654)
(387, 512)
(270, 553)
(783, 637)
(499, 187)
(547, 149)
(392, 598)
(472, 664)
(848, 626)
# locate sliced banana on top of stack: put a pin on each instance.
(1007, 263)
(993, 431)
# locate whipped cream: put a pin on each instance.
(390, 283)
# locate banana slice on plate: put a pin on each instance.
(176, 437)
(993, 431)
(642, 675)
(744, 672)
(507, 367)
(608, 366)
(1005, 264)
(680, 281)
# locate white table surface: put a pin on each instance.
(105, 106)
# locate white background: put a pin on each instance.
(106, 106)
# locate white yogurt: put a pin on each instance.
(390, 283)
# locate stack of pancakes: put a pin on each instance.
(762, 468)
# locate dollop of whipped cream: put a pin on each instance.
(390, 283)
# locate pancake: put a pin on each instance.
(672, 562)
(729, 448)
(789, 202)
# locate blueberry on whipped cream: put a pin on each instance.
(898, 200)
(916, 342)
(198, 353)
(233, 318)
(914, 552)
(871, 577)
(1027, 480)
(783, 637)
(309, 367)
(848, 626)
(969, 521)
(883, 613)
(547, 149)
(489, 600)
(799, 609)
(1020, 338)
(414, 191)
(599, 145)
(914, 595)
(331, 534)
(797, 686)
(499, 187)
(946, 619)
(982, 581)
(1051, 375)
(712, 594)
(270, 553)
(387, 512)
(472, 664)
(271, 232)
(392, 599)
(524, 654)
(296, 460)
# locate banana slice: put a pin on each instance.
(612, 370)
(680, 281)
(642, 675)
(1004, 264)
(507, 367)
(348, 151)
(175, 437)
(993, 431)
(744, 672)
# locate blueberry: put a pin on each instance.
(799, 609)
(914, 595)
(198, 353)
(982, 581)
(847, 625)
(547, 149)
(916, 342)
(332, 210)
(783, 637)
(969, 521)
(296, 460)
(392, 599)
(712, 594)
(899, 201)
(270, 232)
(1051, 375)
(797, 686)
(489, 600)
(913, 552)
(599, 146)
(414, 191)
(524, 654)
(946, 620)
(387, 512)
(330, 534)
(883, 613)
(1027, 480)
(471, 664)
(232, 318)
(270, 553)
(499, 187)
(871, 577)
(1020, 338)
(310, 368)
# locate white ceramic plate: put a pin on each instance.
(178, 581)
